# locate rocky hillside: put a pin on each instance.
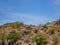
(18, 33)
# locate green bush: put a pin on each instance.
(13, 35)
(17, 25)
(40, 40)
(48, 23)
(3, 36)
(34, 38)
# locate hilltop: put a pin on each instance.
(18, 33)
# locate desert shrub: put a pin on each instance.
(17, 25)
(34, 38)
(48, 23)
(40, 40)
(3, 36)
(13, 35)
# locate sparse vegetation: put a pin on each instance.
(3, 36)
(40, 40)
(13, 35)
(17, 25)
(18, 33)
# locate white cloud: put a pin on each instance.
(28, 16)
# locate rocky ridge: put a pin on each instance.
(52, 30)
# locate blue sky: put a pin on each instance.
(29, 11)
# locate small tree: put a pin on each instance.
(40, 40)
